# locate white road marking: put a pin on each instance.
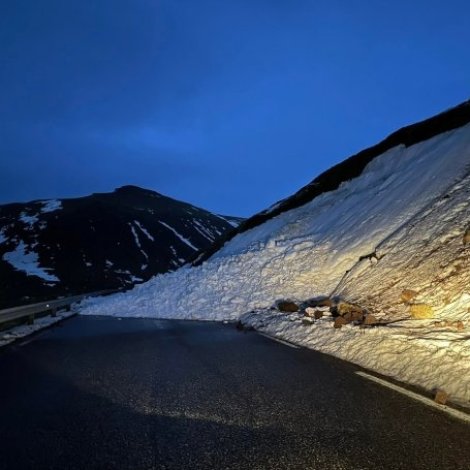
(416, 396)
(285, 343)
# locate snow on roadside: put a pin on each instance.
(20, 331)
(402, 224)
(305, 252)
(411, 351)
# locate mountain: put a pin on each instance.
(379, 245)
(102, 241)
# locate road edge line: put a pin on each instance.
(285, 343)
(416, 396)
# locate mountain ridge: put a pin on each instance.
(99, 241)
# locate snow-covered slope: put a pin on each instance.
(400, 224)
(306, 251)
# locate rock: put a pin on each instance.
(466, 236)
(345, 307)
(339, 322)
(307, 321)
(459, 325)
(370, 319)
(287, 306)
(348, 317)
(441, 397)
(421, 311)
(351, 312)
(318, 314)
(241, 327)
(408, 295)
(357, 316)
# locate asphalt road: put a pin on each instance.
(103, 393)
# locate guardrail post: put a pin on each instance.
(31, 319)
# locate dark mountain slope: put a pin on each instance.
(351, 168)
(108, 240)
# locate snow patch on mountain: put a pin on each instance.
(28, 219)
(26, 260)
(50, 205)
(183, 239)
(232, 222)
(144, 230)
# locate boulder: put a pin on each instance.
(357, 316)
(408, 295)
(347, 310)
(242, 327)
(339, 322)
(287, 306)
(466, 236)
(441, 397)
(421, 311)
(370, 319)
(318, 314)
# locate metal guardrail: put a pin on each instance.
(30, 311)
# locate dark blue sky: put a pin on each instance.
(230, 105)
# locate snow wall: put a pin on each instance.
(400, 224)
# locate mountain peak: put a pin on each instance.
(132, 189)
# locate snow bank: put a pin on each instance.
(307, 251)
(402, 225)
(428, 256)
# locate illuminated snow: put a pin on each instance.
(410, 207)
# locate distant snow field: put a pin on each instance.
(26, 260)
(51, 205)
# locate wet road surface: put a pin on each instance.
(103, 393)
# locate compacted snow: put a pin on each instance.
(401, 225)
